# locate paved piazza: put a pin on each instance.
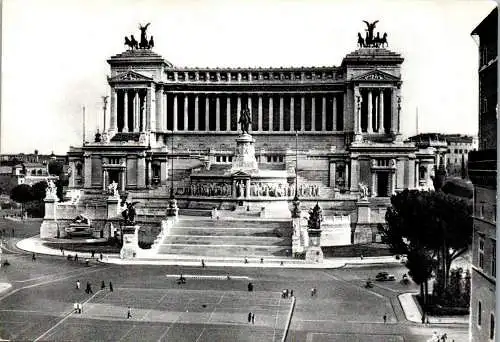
(210, 308)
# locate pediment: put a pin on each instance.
(130, 75)
(376, 75)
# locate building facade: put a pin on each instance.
(482, 168)
(174, 129)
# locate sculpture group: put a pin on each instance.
(144, 43)
(370, 40)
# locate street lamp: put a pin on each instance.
(172, 167)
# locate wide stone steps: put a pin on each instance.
(225, 240)
(269, 225)
(210, 231)
(224, 250)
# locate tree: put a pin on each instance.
(22, 193)
(439, 178)
(429, 222)
(39, 190)
(55, 168)
(420, 265)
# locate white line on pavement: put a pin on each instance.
(64, 318)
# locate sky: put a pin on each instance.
(54, 54)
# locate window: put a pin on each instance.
(481, 253)
(493, 258)
(479, 313)
(492, 327)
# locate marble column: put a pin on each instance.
(150, 110)
(323, 114)
(370, 110)
(165, 112)
(333, 169)
(159, 108)
(271, 109)
(247, 188)
(313, 113)
(72, 175)
(123, 179)
(114, 111)
(411, 173)
(394, 111)
(249, 105)
(136, 111)
(228, 113)
(186, 111)
(238, 108)
(104, 179)
(374, 184)
(358, 98)
(302, 113)
(347, 177)
(375, 114)
(125, 111)
(334, 113)
(196, 112)
(292, 113)
(207, 112)
(381, 112)
(174, 114)
(150, 173)
(217, 113)
(281, 113)
(393, 183)
(260, 119)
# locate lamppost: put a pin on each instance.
(296, 202)
(104, 106)
(172, 209)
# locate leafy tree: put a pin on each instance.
(420, 264)
(55, 167)
(39, 190)
(429, 221)
(22, 193)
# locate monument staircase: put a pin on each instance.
(238, 237)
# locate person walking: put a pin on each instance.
(62, 251)
(110, 287)
(291, 293)
(253, 318)
(249, 317)
(100, 256)
(129, 313)
(385, 318)
(92, 254)
(76, 256)
(103, 286)
(78, 284)
(33, 257)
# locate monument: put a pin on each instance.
(314, 254)
(244, 159)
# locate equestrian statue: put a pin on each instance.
(370, 40)
(144, 43)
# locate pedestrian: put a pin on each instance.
(62, 251)
(89, 288)
(76, 257)
(361, 256)
(423, 319)
(281, 263)
(33, 257)
(75, 307)
(78, 284)
(86, 262)
(250, 287)
(80, 308)
(385, 318)
(253, 318)
(129, 313)
(444, 337)
(286, 293)
(261, 260)
(249, 317)
(291, 293)
(110, 287)
(92, 254)
(103, 286)
(202, 263)
(12, 232)
(246, 260)
(100, 256)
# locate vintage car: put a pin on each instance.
(384, 276)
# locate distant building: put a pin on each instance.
(482, 168)
(451, 150)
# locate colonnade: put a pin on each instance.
(376, 110)
(220, 111)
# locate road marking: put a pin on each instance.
(217, 277)
(65, 318)
(128, 332)
(350, 284)
(276, 320)
(48, 282)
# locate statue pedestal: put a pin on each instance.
(245, 155)
(314, 254)
(172, 210)
(130, 248)
(113, 203)
(363, 211)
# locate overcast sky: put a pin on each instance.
(54, 54)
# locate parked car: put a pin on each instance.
(384, 276)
